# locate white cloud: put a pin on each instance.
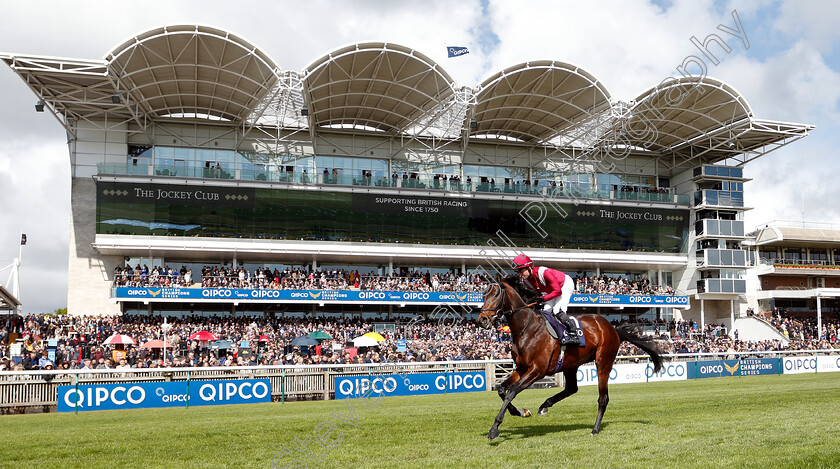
(815, 20)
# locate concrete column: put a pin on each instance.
(463, 267)
(390, 267)
(731, 317)
(314, 265)
(659, 276)
(702, 314)
(819, 315)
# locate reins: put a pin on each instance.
(510, 313)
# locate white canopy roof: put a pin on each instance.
(204, 72)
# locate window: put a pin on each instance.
(819, 256)
(794, 254)
(331, 216)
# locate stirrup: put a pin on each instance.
(572, 339)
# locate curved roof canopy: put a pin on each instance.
(538, 101)
(680, 110)
(379, 86)
(192, 71)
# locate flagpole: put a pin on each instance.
(17, 267)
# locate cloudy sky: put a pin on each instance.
(790, 72)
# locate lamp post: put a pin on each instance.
(165, 327)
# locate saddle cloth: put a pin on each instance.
(558, 330)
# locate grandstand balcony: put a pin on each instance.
(723, 259)
(714, 228)
(713, 198)
(303, 252)
(798, 267)
(538, 188)
(717, 172)
(722, 285)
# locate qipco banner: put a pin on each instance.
(165, 394)
(828, 363)
(794, 365)
(633, 373)
(409, 384)
(373, 297)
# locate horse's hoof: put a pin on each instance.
(543, 411)
(526, 413)
(595, 432)
(494, 433)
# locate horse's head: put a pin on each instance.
(495, 301)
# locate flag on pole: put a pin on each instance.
(455, 51)
(23, 239)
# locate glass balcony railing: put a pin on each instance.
(727, 258)
(800, 263)
(722, 285)
(719, 171)
(723, 228)
(719, 198)
(540, 189)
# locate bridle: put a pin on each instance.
(507, 314)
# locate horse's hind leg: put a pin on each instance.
(604, 361)
(571, 388)
(603, 396)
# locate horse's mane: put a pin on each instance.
(528, 294)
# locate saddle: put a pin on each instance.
(558, 330)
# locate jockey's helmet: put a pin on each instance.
(522, 261)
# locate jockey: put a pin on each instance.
(556, 288)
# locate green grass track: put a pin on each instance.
(788, 422)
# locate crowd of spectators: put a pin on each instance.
(687, 337)
(155, 277)
(345, 279)
(611, 285)
(644, 189)
(802, 329)
(80, 341)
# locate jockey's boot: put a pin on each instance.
(571, 328)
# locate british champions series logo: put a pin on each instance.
(315, 295)
(731, 369)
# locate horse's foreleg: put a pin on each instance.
(504, 386)
(603, 396)
(525, 380)
(571, 387)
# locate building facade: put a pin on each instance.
(191, 148)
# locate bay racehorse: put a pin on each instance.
(535, 352)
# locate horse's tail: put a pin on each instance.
(629, 334)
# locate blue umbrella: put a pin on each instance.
(222, 344)
(304, 341)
